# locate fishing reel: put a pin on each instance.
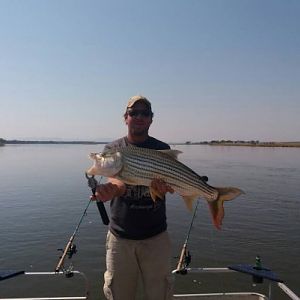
(187, 259)
(71, 250)
(184, 261)
(68, 251)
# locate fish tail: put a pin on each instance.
(217, 207)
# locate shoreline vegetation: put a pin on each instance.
(22, 142)
(253, 143)
(295, 144)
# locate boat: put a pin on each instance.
(260, 275)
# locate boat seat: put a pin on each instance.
(5, 274)
(258, 272)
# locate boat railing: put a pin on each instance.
(258, 276)
(6, 274)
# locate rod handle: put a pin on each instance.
(181, 259)
(62, 259)
(103, 213)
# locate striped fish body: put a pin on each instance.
(139, 166)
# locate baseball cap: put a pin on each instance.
(137, 98)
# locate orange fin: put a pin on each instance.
(217, 211)
(189, 200)
(155, 194)
(217, 207)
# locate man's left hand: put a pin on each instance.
(161, 186)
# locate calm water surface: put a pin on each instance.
(43, 194)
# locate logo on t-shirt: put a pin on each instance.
(139, 198)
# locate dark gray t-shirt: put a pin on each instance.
(134, 215)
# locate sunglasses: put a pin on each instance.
(142, 113)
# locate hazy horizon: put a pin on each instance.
(103, 140)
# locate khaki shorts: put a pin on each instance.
(126, 260)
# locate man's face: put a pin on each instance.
(138, 119)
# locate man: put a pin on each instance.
(137, 241)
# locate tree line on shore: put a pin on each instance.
(245, 143)
(212, 142)
(223, 142)
(3, 142)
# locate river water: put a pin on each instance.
(43, 193)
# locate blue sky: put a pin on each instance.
(213, 69)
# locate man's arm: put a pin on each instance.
(116, 188)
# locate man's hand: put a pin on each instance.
(109, 190)
(161, 187)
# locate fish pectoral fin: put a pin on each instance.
(155, 194)
(189, 200)
(171, 152)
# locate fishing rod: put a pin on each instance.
(185, 256)
(70, 248)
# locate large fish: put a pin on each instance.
(139, 166)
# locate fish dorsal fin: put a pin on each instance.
(171, 152)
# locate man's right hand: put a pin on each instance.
(109, 190)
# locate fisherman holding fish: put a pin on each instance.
(137, 242)
(141, 170)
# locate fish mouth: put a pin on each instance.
(93, 155)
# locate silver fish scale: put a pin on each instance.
(141, 166)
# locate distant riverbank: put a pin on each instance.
(2, 142)
(244, 143)
(12, 142)
(266, 144)
(211, 143)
